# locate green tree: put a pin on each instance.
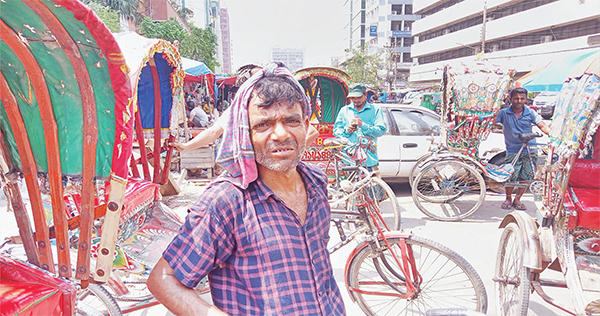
(201, 44)
(127, 9)
(109, 16)
(169, 30)
(363, 67)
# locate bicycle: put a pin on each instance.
(452, 187)
(397, 272)
(344, 158)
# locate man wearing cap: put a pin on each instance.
(259, 231)
(360, 119)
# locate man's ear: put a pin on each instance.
(306, 123)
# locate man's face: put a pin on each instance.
(518, 99)
(278, 134)
(359, 102)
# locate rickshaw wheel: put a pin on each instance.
(95, 300)
(448, 190)
(512, 279)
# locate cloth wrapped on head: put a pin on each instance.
(236, 154)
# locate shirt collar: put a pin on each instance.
(526, 110)
(367, 106)
(264, 192)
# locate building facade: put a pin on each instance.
(384, 27)
(293, 58)
(226, 48)
(520, 34)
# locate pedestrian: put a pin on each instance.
(260, 230)
(198, 117)
(517, 119)
(361, 119)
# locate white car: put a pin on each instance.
(408, 137)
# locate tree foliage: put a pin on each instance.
(201, 44)
(363, 67)
(109, 16)
(127, 9)
(169, 30)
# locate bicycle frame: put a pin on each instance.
(368, 218)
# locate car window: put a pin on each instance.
(415, 123)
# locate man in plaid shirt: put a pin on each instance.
(260, 231)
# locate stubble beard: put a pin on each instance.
(264, 159)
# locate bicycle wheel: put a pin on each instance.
(95, 300)
(448, 190)
(512, 279)
(386, 201)
(417, 167)
(448, 280)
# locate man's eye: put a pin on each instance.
(293, 122)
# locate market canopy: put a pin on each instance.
(551, 76)
(197, 71)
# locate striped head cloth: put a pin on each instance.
(236, 154)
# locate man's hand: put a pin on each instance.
(179, 146)
(354, 124)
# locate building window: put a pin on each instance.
(406, 58)
(408, 9)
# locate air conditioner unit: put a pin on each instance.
(546, 39)
(495, 48)
(394, 12)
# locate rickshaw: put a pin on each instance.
(67, 127)
(565, 235)
(68, 131)
(449, 182)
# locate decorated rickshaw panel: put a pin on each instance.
(63, 88)
(145, 93)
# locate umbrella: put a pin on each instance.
(197, 71)
(552, 76)
(590, 65)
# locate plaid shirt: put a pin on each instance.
(259, 259)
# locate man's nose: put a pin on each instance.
(280, 131)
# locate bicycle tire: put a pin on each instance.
(449, 190)
(96, 300)
(511, 277)
(448, 281)
(417, 167)
(388, 204)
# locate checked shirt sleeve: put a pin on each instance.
(204, 241)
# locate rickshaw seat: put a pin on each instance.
(584, 193)
(30, 291)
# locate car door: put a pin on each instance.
(415, 129)
(388, 147)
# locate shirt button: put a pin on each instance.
(314, 261)
(321, 294)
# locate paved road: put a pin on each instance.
(476, 239)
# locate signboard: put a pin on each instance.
(373, 30)
(401, 34)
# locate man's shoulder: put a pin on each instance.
(218, 195)
(312, 172)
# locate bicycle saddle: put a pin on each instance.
(335, 141)
(526, 137)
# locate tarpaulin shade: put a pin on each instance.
(103, 61)
(552, 76)
(197, 71)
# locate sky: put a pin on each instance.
(256, 26)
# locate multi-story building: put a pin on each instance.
(293, 58)
(384, 27)
(225, 42)
(520, 34)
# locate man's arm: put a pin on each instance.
(204, 138)
(176, 297)
(340, 128)
(378, 128)
(545, 128)
(312, 134)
